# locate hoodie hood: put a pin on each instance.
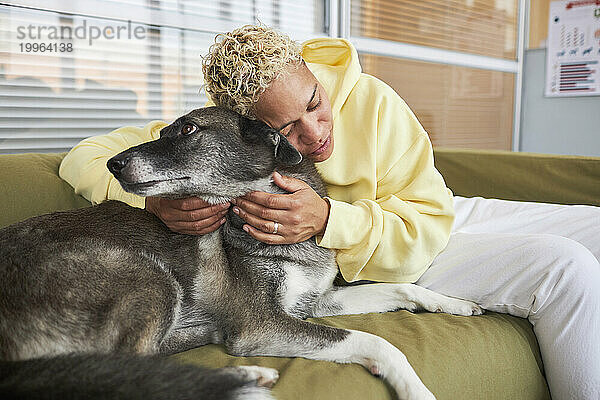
(335, 64)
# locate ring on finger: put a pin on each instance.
(275, 227)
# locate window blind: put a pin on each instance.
(484, 27)
(118, 62)
(455, 63)
(459, 107)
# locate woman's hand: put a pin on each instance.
(283, 218)
(191, 216)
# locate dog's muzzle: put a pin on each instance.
(117, 164)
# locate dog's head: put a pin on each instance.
(210, 152)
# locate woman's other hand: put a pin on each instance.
(191, 216)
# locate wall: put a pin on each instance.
(553, 125)
(568, 125)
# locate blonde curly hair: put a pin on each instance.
(241, 65)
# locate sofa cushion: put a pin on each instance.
(487, 357)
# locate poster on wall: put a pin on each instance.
(573, 51)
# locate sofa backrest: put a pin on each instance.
(30, 184)
(521, 176)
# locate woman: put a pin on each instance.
(389, 214)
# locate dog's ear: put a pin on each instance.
(167, 130)
(258, 131)
(284, 151)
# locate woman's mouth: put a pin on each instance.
(323, 148)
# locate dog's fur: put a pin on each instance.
(112, 278)
(128, 377)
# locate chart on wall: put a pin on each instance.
(573, 51)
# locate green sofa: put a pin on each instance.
(493, 356)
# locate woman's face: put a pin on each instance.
(297, 105)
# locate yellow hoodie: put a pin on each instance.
(391, 212)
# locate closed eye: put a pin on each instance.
(287, 130)
(309, 109)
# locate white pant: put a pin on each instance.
(536, 261)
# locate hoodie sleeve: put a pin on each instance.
(84, 167)
(395, 235)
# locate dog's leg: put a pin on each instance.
(383, 297)
(291, 337)
(182, 339)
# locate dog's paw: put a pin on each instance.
(424, 396)
(265, 377)
(416, 392)
(458, 307)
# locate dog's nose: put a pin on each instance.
(117, 163)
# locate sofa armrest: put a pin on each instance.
(30, 185)
(521, 176)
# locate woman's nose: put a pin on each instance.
(311, 131)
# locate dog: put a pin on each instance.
(114, 279)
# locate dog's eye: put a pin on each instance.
(188, 129)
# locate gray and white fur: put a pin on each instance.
(112, 278)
